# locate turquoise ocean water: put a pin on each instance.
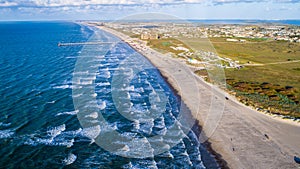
(39, 127)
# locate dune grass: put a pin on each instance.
(164, 45)
(270, 79)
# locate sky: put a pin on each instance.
(117, 9)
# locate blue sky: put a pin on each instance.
(115, 9)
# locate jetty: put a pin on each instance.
(83, 43)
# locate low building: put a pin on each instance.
(232, 40)
(194, 61)
(149, 35)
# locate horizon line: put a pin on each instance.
(200, 19)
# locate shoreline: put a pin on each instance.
(223, 143)
(197, 128)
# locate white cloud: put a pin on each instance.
(7, 4)
(74, 3)
(57, 3)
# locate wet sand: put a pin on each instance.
(244, 138)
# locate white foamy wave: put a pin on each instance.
(160, 123)
(71, 57)
(96, 65)
(103, 84)
(96, 59)
(67, 86)
(176, 133)
(131, 149)
(147, 126)
(93, 115)
(103, 90)
(91, 132)
(150, 164)
(62, 142)
(104, 74)
(166, 155)
(37, 141)
(90, 76)
(184, 153)
(72, 133)
(113, 69)
(127, 96)
(135, 95)
(81, 73)
(108, 127)
(129, 88)
(139, 90)
(120, 88)
(55, 137)
(49, 141)
(101, 105)
(100, 56)
(86, 82)
(155, 97)
(162, 131)
(186, 158)
(52, 102)
(6, 133)
(63, 87)
(128, 135)
(70, 159)
(139, 111)
(158, 139)
(78, 95)
(124, 149)
(128, 73)
(68, 113)
(4, 124)
(136, 125)
(55, 131)
(128, 166)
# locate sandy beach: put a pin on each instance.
(244, 138)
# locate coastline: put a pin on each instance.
(246, 140)
(197, 128)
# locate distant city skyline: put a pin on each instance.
(116, 9)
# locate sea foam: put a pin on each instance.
(68, 113)
(6, 133)
(70, 159)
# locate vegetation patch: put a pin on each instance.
(165, 45)
(270, 79)
(273, 98)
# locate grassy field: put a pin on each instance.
(262, 52)
(202, 44)
(271, 76)
(270, 79)
(164, 45)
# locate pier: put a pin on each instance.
(83, 43)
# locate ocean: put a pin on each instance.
(43, 126)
